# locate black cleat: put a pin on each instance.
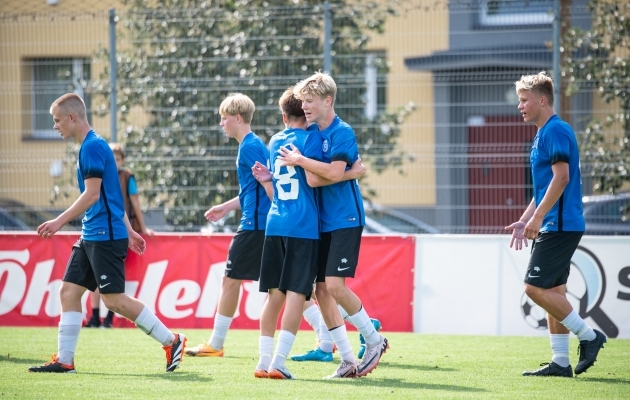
(551, 369)
(54, 366)
(588, 352)
(175, 352)
(107, 323)
(93, 323)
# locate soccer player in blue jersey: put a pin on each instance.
(289, 259)
(98, 257)
(342, 219)
(244, 254)
(555, 223)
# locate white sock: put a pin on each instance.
(68, 336)
(152, 326)
(560, 349)
(325, 340)
(344, 314)
(220, 330)
(312, 315)
(265, 351)
(340, 336)
(285, 342)
(576, 324)
(365, 327)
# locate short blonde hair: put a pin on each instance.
(238, 103)
(319, 84)
(540, 84)
(70, 103)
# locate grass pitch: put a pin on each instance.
(126, 364)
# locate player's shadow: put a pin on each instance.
(26, 361)
(416, 367)
(401, 384)
(606, 380)
(175, 376)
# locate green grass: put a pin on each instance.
(124, 363)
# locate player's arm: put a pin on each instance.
(333, 171)
(518, 227)
(136, 242)
(560, 170)
(268, 186)
(90, 195)
(217, 212)
(355, 172)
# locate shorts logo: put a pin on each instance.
(102, 286)
(103, 277)
(343, 261)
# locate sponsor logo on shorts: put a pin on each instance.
(102, 286)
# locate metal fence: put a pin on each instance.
(431, 99)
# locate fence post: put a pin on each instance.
(327, 38)
(557, 76)
(113, 106)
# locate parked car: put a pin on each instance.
(379, 219)
(17, 216)
(607, 214)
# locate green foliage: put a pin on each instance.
(178, 59)
(598, 59)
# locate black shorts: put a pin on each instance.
(339, 253)
(244, 254)
(99, 264)
(550, 261)
(289, 264)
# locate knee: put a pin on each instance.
(335, 288)
(532, 292)
(111, 302)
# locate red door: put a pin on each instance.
(499, 176)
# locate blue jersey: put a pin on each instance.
(104, 220)
(294, 211)
(554, 142)
(252, 196)
(341, 204)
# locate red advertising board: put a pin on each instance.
(179, 277)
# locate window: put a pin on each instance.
(50, 79)
(516, 12)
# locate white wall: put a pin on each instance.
(473, 284)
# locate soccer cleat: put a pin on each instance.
(107, 324)
(344, 370)
(54, 366)
(175, 352)
(314, 355)
(372, 356)
(260, 372)
(588, 352)
(551, 369)
(377, 327)
(279, 373)
(93, 323)
(204, 350)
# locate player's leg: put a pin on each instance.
(324, 349)
(377, 326)
(545, 283)
(268, 322)
(77, 279)
(348, 366)
(95, 301)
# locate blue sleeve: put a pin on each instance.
(256, 152)
(132, 188)
(343, 145)
(93, 161)
(313, 146)
(558, 145)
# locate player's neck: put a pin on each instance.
(545, 115)
(242, 132)
(327, 120)
(82, 132)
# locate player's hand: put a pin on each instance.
(215, 213)
(49, 228)
(137, 243)
(533, 228)
(518, 235)
(289, 157)
(357, 169)
(148, 231)
(261, 172)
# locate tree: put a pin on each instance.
(180, 58)
(598, 58)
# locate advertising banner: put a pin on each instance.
(179, 277)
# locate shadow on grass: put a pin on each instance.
(399, 384)
(25, 361)
(415, 367)
(605, 380)
(175, 376)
